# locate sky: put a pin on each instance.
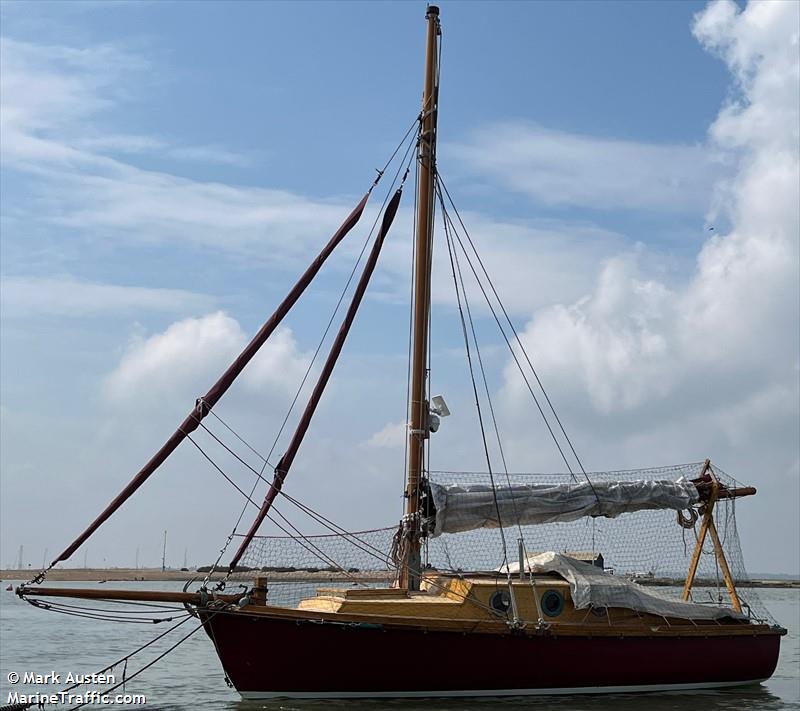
(629, 172)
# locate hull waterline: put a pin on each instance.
(268, 657)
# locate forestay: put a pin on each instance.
(465, 507)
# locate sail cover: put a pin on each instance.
(462, 507)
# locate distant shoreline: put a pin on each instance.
(108, 575)
(97, 575)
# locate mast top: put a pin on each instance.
(432, 10)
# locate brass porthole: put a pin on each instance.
(500, 601)
(552, 603)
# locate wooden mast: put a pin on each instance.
(418, 401)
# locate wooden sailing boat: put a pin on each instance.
(546, 623)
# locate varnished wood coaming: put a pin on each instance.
(461, 605)
(667, 628)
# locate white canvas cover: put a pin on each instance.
(470, 506)
(591, 586)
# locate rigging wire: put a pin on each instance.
(238, 436)
(87, 614)
(410, 339)
(514, 610)
(447, 219)
(521, 370)
(475, 393)
(405, 163)
(320, 553)
(305, 542)
(133, 603)
(522, 348)
(303, 507)
(220, 470)
(296, 397)
(513, 329)
(353, 538)
(127, 678)
(127, 656)
(346, 287)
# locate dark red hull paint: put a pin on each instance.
(274, 656)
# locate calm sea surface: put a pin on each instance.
(39, 641)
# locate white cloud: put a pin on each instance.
(558, 168)
(86, 185)
(122, 143)
(134, 144)
(710, 367)
(390, 436)
(613, 340)
(209, 154)
(23, 297)
(190, 354)
(52, 104)
(747, 281)
(635, 337)
(50, 92)
(53, 85)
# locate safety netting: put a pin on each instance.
(653, 548)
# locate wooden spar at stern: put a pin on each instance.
(418, 401)
(205, 403)
(708, 526)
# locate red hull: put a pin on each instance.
(265, 656)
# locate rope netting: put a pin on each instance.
(649, 547)
(296, 566)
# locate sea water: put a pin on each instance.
(42, 642)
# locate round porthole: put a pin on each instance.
(552, 603)
(500, 601)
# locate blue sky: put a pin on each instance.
(169, 168)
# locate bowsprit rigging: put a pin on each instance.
(447, 579)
